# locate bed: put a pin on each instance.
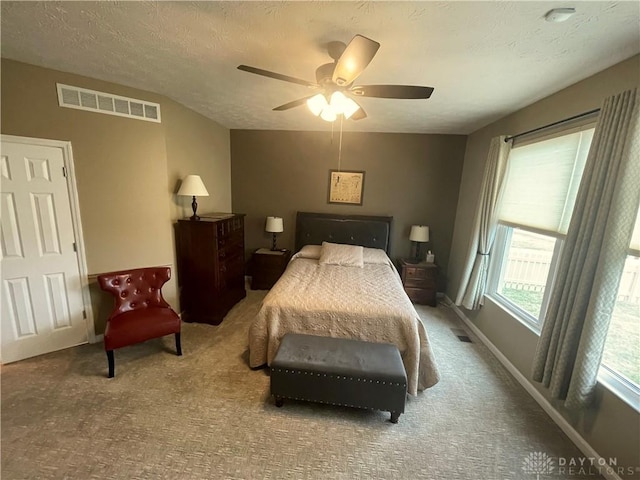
(361, 301)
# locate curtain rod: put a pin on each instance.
(559, 122)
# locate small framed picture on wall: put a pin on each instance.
(346, 187)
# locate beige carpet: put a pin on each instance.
(206, 415)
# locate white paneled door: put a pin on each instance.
(42, 301)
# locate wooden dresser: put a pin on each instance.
(210, 266)
(420, 281)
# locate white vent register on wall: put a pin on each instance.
(100, 102)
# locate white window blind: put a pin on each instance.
(542, 182)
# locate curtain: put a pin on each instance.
(574, 331)
(474, 277)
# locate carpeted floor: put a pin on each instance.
(206, 415)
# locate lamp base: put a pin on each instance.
(194, 207)
(273, 247)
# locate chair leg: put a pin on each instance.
(178, 344)
(111, 363)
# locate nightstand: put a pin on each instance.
(267, 266)
(420, 281)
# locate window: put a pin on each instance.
(622, 349)
(527, 259)
(540, 189)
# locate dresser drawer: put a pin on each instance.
(420, 273)
(232, 267)
(231, 247)
(420, 282)
(419, 277)
(230, 239)
(228, 227)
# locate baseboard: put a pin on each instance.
(558, 419)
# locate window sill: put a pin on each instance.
(516, 314)
(627, 392)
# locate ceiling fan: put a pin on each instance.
(334, 81)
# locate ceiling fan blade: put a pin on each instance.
(295, 103)
(354, 59)
(392, 91)
(359, 115)
(277, 76)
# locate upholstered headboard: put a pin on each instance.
(368, 231)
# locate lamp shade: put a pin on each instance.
(192, 186)
(274, 225)
(419, 233)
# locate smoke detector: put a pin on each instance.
(558, 15)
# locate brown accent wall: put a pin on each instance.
(414, 178)
(126, 169)
(611, 427)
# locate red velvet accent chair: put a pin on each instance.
(140, 312)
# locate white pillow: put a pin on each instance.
(310, 251)
(339, 254)
(375, 255)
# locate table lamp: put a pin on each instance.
(274, 225)
(192, 186)
(419, 234)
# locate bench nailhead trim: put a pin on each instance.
(337, 377)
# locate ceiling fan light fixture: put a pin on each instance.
(335, 81)
(350, 107)
(343, 105)
(317, 104)
(328, 114)
(338, 102)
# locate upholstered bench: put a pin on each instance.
(339, 371)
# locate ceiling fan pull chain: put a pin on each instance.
(340, 145)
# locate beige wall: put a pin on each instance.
(126, 169)
(196, 145)
(612, 428)
(413, 178)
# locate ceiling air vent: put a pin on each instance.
(100, 102)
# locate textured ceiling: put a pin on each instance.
(485, 59)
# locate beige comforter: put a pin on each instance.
(366, 303)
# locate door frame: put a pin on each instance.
(74, 202)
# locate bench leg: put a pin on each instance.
(279, 402)
(394, 417)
